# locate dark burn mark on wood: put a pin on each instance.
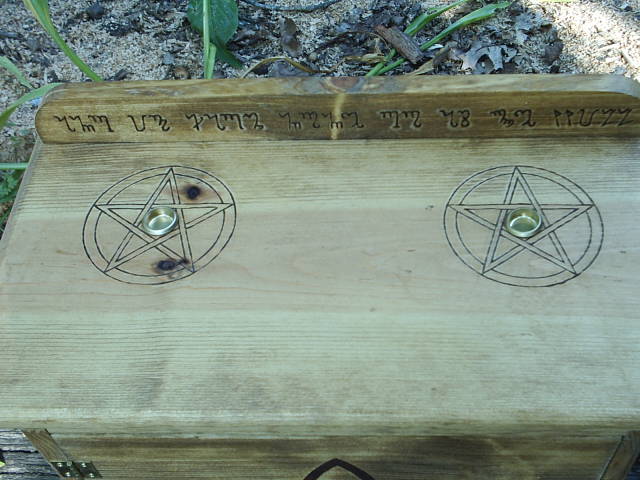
(168, 265)
(192, 192)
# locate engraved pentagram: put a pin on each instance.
(566, 245)
(117, 245)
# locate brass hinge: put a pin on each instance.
(79, 470)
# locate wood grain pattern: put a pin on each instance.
(46, 445)
(380, 458)
(337, 308)
(342, 108)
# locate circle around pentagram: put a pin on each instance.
(119, 248)
(568, 243)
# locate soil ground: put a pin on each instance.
(143, 40)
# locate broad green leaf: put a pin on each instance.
(223, 22)
(33, 94)
(9, 65)
(226, 56)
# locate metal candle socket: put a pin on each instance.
(159, 220)
(523, 222)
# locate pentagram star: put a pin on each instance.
(159, 243)
(549, 229)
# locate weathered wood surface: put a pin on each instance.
(364, 458)
(402, 458)
(22, 460)
(46, 445)
(342, 108)
(337, 307)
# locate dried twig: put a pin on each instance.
(630, 60)
(403, 43)
(290, 61)
(301, 8)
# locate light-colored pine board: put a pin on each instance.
(337, 308)
(342, 108)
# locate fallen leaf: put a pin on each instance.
(424, 68)
(497, 54)
(289, 37)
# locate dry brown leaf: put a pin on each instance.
(426, 67)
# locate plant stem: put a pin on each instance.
(206, 35)
(14, 166)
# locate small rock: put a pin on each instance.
(95, 11)
(44, 61)
(120, 75)
(552, 52)
(180, 73)
(168, 59)
(397, 20)
(33, 44)
(10, 35)
(118, 30)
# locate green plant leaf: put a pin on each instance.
(210, 61)
(227, 57)
(9, 65)
(422, 20)
(476, 16)
(9, 184)
(223, 22)
(412, 29)
(33, 94)
(40, 9)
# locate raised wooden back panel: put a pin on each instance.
(360, 287)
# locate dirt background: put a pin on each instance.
(144, 40)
